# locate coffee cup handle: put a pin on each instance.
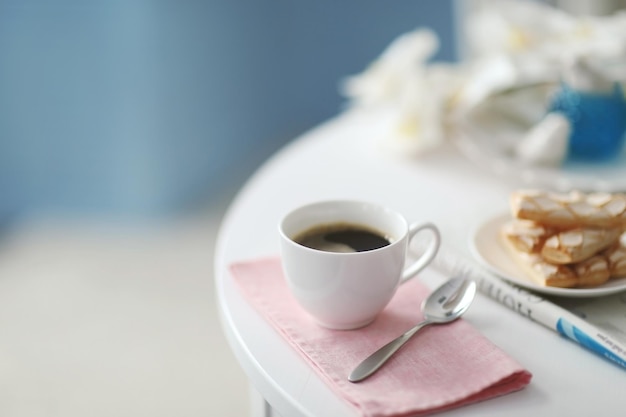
(428, 255)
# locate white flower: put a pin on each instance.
(512, 44)
(541, 39)
(386, 78)
(409, 95)
(415, 122)
(601, 38)
(514, 28)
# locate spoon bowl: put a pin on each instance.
(449, 301)
(444, 305)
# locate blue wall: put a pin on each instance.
(144, 107)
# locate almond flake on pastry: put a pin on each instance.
(572, 209)
(575, 245)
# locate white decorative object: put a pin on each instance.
(517, 55)
(546, 143)
(410, 96)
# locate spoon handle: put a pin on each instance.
(377, 359)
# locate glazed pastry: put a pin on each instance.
(593, 271)
(573, 209)
(575, 245)
(542, 272)
(526, 235)
(616, 257)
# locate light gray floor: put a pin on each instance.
(100, 319)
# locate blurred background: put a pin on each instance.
(146, 107)
(126, 127)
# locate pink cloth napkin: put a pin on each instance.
(444, 367)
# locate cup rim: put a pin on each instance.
(382, 207)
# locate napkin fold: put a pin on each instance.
(443, 367)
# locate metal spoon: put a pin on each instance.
(447, 303)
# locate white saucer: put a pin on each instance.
(487, 249)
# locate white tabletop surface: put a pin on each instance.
(342, 159)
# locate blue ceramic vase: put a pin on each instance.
(598, 121)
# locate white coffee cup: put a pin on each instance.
(348, 290)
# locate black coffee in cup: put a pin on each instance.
(342, 237)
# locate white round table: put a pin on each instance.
(341, 159)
